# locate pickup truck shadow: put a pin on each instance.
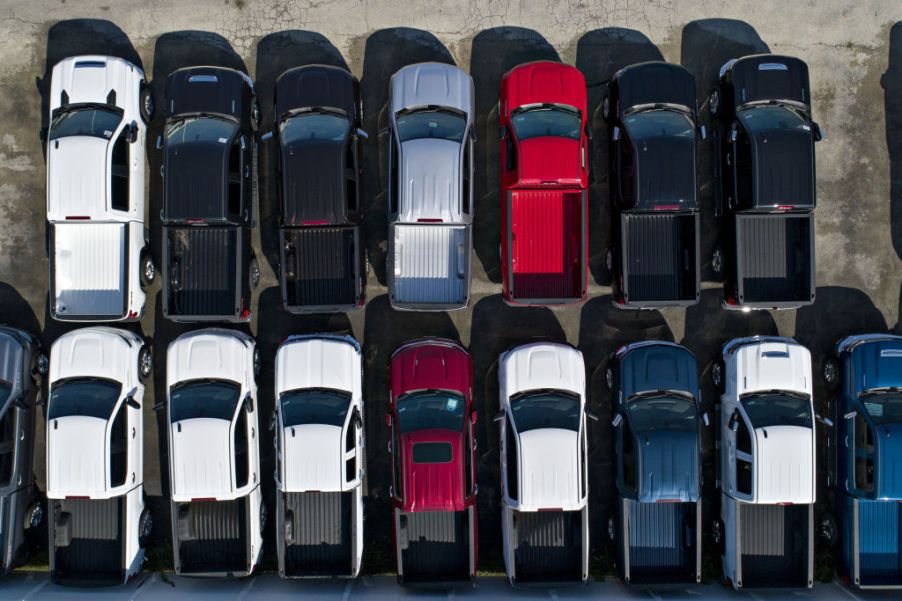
(385, 51)
(276, 53)
(522, 325)
(891, 81)
(77, 37)
(494, 52)
(707, 44)
(599, 55)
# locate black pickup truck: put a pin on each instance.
(764, 162)
(318, 116)
(653, 130)
(209, 270)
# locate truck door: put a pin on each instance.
(510, 462)
(861, 456)
(352, 449)
(627, 463)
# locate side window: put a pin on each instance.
(119, 448)
(242, 457)
(510, 151)
(119, 173)
(351, 176)
(7, 447)
(235, 178)
(513, 468)
(628, 456)
(743, 459)
(743, 156)
(864, 455)
(468, 151)
(350, 444)
(393, 190)
(627, 176)
(468, 458)
(584, 457)
(397, 474)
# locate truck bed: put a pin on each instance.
(431, 265)
(549, 546)
(660, 258)
(203, 273)
(86, 537)
(320, 267)
(211, 537)
(547, 245)
(879, 541)
(434, 546)
(318, 536)
(659, 542)
(89, 269)
(773, 545)
(775, 259)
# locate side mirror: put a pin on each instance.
(499, 416)
(588, 131)
(19, 402)
(618, 419)
(266, 137)
(356, 417)
(249, 403)
(702, 132)
(388, 420)
(591, 414)
(818, 132)
(502, 132)
(383, 132)
(616, 134)
(132, 132)
(706, 419)
(159, 143)
(733, 133)
(131, 402)
(243, 143)
(473, 415)
(824, 420)
(362, 134)
(473, 136)
(734, 421)
(159, 406)
(850, 415)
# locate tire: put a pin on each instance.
(717, 261)
(253, 273)
(717, 534)
(146, 103)
(717, 376)
(609, 261)
(606, 108)
(262, 517)
(40, 363)
(827, 530)
(612, 531)
(145, 527)
(148, 269)
(714, 102)
(255, 114)
(609, 377)
(256, 363)
(145, 363)
(830, 371)
(34, 515)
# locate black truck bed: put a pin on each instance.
(86, 541)
(774, 543)
(775, 259)
(660, 258)
(205, 271)
(549, 546)
(433, 546)
(321, 268)
(211, 537)
(659, 542)
(318, 534)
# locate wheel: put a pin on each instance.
(145, 527)
(830, 371)
(39, 364)
(717, 375)
(255, 115)
(714, 102)
(609, 378)
(148, 269)
(145, 363)
(717, 535)
(146, 103)
(609, 260)
(253, 273)
(606, 108)
(34, 515)
(256, 363)
(717, 261)
(827, 530)
(262, 517)
(611, 531)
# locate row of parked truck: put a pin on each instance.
(765, 432)
(101, 258)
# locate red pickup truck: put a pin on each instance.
(544, 177)
(431, 416)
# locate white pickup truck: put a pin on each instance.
(218, 514)
(544, 472)
(318, 425)
(98, 523)
(96, 240)
(766, 463)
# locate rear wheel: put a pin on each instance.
(717, 534)
(262, 517)
(40, 364)
(606, 108)
(148, 269)
(717, 261)
(717, 375)
(256, 363)
(609, 377)
(34, 515)
(145, 527)
(611, 531)
(827, 530)
(255, 115)
(714, 102)
(253, 273)
(145, 363)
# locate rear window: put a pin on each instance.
(770, 410)
(89, 397)
(432, 452)
(431, 410)
(545, 409)
(203, 399)
(314, 407)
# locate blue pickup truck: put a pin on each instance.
(656, 524)
(865, 466)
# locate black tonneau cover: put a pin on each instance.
(660, 258)
(770, 77)
(319, 86)
(321, 268)
(319, 537)
(656, 83)
(435, 547)
(211, 538)
(86, 541)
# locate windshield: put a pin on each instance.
(665, 412)
(431, 123)
(89, 397)
(431, 410)
(200, 129)
(777, 409)
(883, 407)
(203, 398)
(546, 120)
(659, 124)
(545, 409)
(87, 121)
(313, 126)
(326, 407)
(767, 117)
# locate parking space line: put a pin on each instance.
(247, 587)
(846, 591)
(35, 589)
(142, 587)
(347, 592)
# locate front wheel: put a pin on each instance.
(255, 115)
(606, 108)
(256, 363)
(145, 363)
(714, 102)
(830, 371)
(40, 364)
(609, 378)
(146, 103)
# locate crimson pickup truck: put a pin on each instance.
(433, 491)
(544, 176)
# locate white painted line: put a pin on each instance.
(553, 594)
(247, 587)
(654, 595)
(141, 587)
(847, 591)
(36, 589)
(347, 592)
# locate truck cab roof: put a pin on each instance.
(785, 465)
(663, 142)
(550, 470)
(433, 470)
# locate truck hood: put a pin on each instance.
(312, 458)
(785, 465)
(430, 180)
(207, 354)
(92, 352)
(549, 470)
(773, 365)
(658, 366)
(201, 459)
(76, 177)
(550, 160)
(430, 364)
(889, 468)
(670, 467)
(433, 486)
(317, 363)
(76, 457)
(90, 78)
(543, 366)
(877, 364)
(435, 84)
(545, 82)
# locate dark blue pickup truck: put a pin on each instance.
(865, 464)
(656, 524)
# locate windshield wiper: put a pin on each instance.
(880, 390)
(660, 393)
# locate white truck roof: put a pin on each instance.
(202, 459)
(784, 465)
(549, 464)
(76, 457)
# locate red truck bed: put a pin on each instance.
(547, 246)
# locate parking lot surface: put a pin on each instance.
(854, 51)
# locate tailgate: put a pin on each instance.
(321, 267)
(547, 245)
(776, 545)
(435, 546)
(660, 258)
(661, 542)
(775, 259)
(430, 265)
(89, 269)
(203, 270)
